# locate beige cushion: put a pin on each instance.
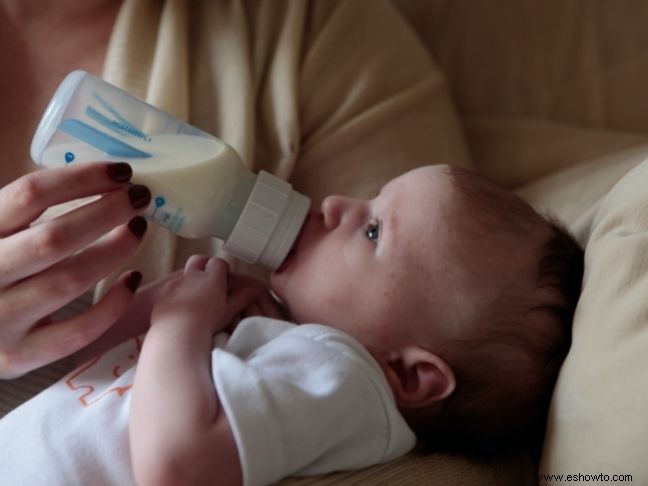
(573, 194)
(598, 421)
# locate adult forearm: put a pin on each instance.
(135, 322)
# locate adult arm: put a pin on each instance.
(134, 322)
(137, 319)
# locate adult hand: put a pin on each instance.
(45, 265)
(199, 299)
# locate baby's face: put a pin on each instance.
(364, 266)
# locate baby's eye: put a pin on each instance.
(373, 231)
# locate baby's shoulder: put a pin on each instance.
(268, 329)
(317, 342)
(325, 335)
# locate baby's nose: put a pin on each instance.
(332, 210)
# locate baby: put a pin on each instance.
(461, 292)
(441, 308)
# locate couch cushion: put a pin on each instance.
(574, 193)
(598, 422)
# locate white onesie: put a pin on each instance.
(301, 400)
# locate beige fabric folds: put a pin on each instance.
(319, 93)
(581, 62)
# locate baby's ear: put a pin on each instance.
(418, 377)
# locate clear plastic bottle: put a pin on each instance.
(198, 183)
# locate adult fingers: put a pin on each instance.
(34, 297)
(41, 246)
(58, 339)
(24, 199)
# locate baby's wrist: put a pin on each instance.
(184, 329)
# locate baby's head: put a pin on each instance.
(458, 288)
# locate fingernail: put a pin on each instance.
(138, 226)
(139, 196)
(133, 281)
(119, 172)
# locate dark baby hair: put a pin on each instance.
(506, 372)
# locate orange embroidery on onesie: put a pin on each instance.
(82, 378)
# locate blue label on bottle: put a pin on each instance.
(167, 215)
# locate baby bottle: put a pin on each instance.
(199, 186)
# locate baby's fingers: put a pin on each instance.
(265, 304)
(218, 266)
(252, 311)
(219, 270)
(237, 281)
(241, 301)
(270, 307)
(196, 263)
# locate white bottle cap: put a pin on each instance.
(269, 223)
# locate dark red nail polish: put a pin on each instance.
(138, 226)
(139, 196)
(119, 172)
(133, 281)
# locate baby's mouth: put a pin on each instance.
(290, 256)
(293, 251)
(287, 260)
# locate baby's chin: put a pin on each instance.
(283, 301)
(275, 282)
(280, 281)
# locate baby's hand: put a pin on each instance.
(264, 304)
(199, 297)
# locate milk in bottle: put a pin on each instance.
(198, 183)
